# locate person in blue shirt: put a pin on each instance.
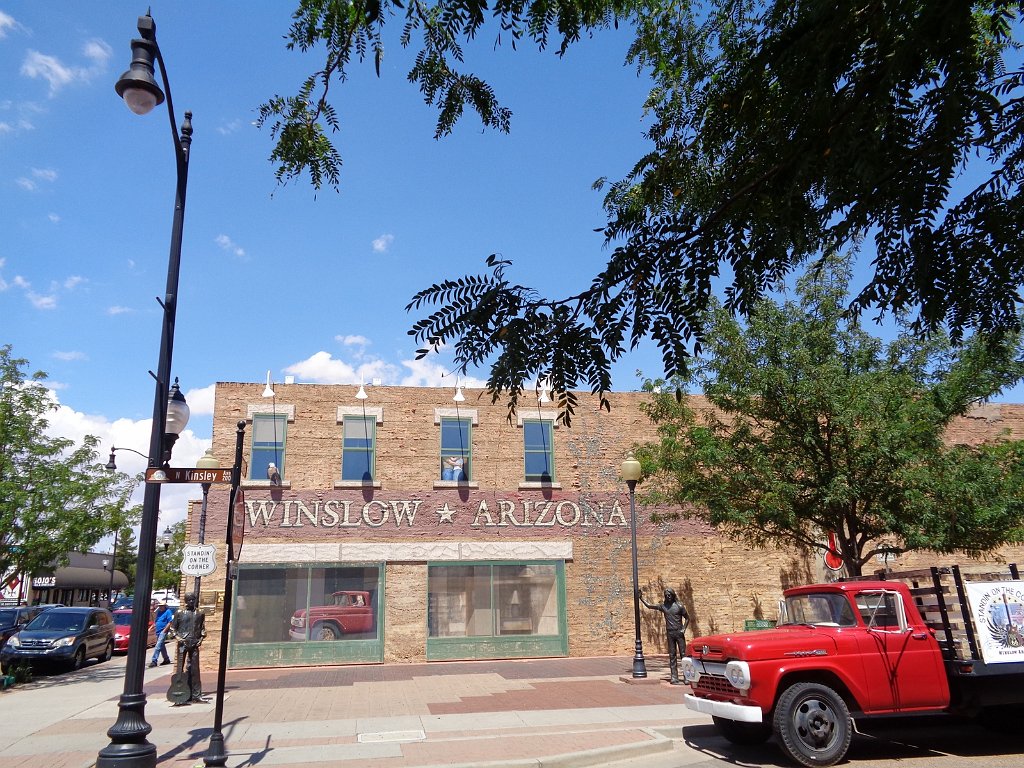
(163, 618)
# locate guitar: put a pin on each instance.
(180, 691)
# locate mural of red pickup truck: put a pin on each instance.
(350, 612)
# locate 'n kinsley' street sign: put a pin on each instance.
(190, 475)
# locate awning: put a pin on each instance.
(79, 578)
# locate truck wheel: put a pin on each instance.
(736, 732)
(325, 631)
(813, 724)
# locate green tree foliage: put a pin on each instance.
(55, 497)
(128, 552)
(780, 131)
(813, 425)
(167, 566)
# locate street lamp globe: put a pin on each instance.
(177, 411)
(208, 461)
(630, 469)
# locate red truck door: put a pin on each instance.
(902, 662)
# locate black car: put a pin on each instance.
(122, 603)
(13, 619)
(66, 636)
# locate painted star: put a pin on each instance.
(445, 514)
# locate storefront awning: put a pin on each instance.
(73, 577)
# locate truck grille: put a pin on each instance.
(714, 684)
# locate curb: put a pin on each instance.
(590, 757)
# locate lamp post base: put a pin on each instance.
(128, 747)
(215, 753)
(639, 666)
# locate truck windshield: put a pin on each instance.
(820, 609)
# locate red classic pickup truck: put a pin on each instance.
(349, 612)
(903, 644)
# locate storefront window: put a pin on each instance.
(455, 448)
(306, 604)
(492, 600)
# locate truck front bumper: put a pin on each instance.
(742, 713)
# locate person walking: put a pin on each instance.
(163, 619)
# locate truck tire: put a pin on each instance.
(325, 631)
(744, 734)
(813, 724)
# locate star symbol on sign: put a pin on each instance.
(445, 514)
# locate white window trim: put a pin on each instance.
(355, 410)
(262, 408)
(455, 413)
(538, 415)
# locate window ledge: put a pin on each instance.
(539, 486)
(286, 484)
(440, 484)
(339, 484)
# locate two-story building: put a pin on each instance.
(414, 525)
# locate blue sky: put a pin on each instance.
(306, 284)
(284, 279)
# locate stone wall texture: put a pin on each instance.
(408, 518)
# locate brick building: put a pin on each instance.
(407, 526)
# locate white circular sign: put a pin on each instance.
(198, 560)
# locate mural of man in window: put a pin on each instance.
(453, 468)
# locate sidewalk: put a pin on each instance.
(541, 712)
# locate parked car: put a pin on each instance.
(350, 612)
(66, 636)
(166, 596)
(13, 619)
(123, 631)
(122, 602)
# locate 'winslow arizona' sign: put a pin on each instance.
(436, 512)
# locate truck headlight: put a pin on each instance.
(690, 673)
(738, 674)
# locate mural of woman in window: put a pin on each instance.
(453, 468)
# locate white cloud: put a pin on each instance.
(41, 301)
(53, 217)
(321, 368)
(49, 68)
(382, 243)
(26, 184)
(6, 22)
(6, 128)
(229, 245)
(73, 282)
(134, 434)
(69, 356)
(226, 129)
(97, 51)
(200, 401)
(45, 174)
(425, 373)
(117, 310)
(58, 75)
(352, 341)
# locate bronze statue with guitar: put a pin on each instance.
(188, 627)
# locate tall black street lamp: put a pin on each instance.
(128, 744)
(630, 471)
(206, 461)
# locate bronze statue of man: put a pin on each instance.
(188, 627)
(676, 622)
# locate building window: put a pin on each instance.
(456, 444)
(539, 454)
(492, 600)
(358, 449)
(268, 437)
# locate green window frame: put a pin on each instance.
(538, 451)
(269, 433)
(496, 609)
(456, 448)
(359, 448)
